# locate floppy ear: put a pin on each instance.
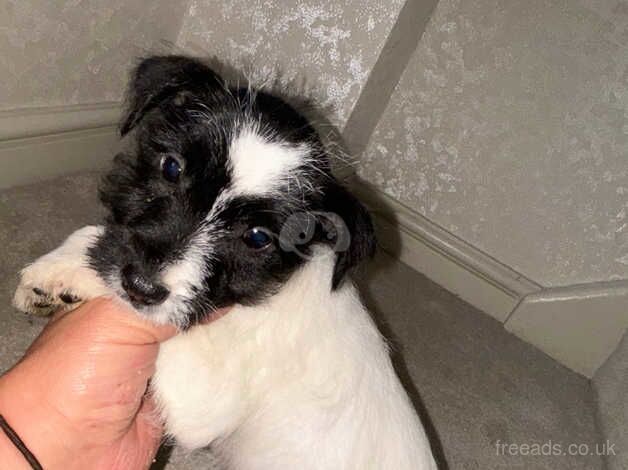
(359, 241)
(157, 78)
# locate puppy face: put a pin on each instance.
(224, 197)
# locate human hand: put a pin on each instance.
(77, 398)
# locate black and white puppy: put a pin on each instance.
(228, 199)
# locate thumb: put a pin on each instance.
(123, 321)
(149, 428)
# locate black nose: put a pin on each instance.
(140, 289)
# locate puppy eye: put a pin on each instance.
(171, 169)
(257, 238)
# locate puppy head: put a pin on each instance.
(224, 196)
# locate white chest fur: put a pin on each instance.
(302, 381)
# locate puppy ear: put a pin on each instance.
(358, 243)
(157, 78)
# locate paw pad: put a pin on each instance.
(43, 302)
(68, 297)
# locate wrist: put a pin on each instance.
(10, 455)
(43, 432)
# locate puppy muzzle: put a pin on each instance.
(141, 289)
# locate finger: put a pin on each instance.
(137, 448)
(149, 427)
(47, 331)
(62, 312)
(119, 316)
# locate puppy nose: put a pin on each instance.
(140, 289)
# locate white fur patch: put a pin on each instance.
(182, 276)
(259, 166)
(301, 381)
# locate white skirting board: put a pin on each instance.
(41, 143)
(474, 276)
(578, 325)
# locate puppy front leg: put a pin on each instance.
(61, 279)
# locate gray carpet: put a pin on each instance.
(611, 385)
(477, 383)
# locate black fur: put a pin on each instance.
(179, 107)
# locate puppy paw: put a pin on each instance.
(61, 279)
(40, 296)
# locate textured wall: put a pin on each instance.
(329, 45)
(77, 51)
(509, 128)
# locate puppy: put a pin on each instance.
(227, 200)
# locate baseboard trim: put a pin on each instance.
(41, 143)
(473, 275)
(40, 158)
(36, 122)
(579, 325)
